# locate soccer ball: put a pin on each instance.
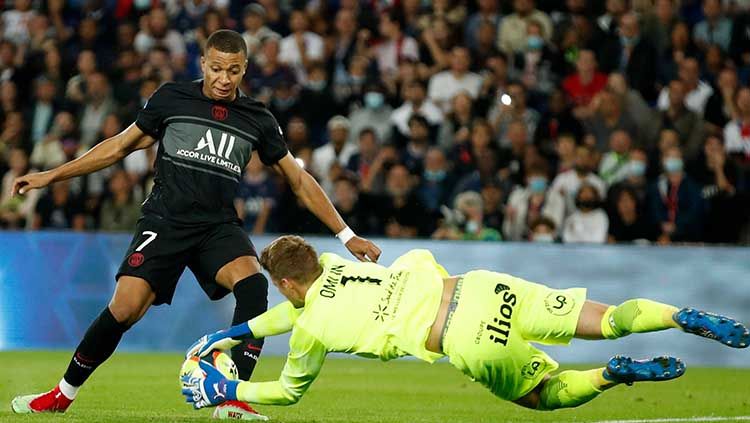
(216, 358)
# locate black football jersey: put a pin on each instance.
(204, 146)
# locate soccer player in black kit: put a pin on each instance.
(207, 130)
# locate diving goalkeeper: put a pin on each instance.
(482, 321)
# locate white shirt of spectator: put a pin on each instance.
(16, 24)
(324, 157)
(515, 227)
(444, 86)
(173, 41)
(568, 183)
(588, 227)
(428, 109)
(734, 142)
(389, 52)
(694, 100)
(289, 52)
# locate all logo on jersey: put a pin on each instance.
(210, 151)
(219, 112)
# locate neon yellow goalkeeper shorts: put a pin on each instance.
(495, 317)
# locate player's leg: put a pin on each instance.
(226, 262)
(132, 297)
(572, 388)
(250, 289)
(600, 321)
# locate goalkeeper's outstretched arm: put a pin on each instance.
(303, 364)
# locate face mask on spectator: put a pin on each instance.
(142, 4)
(316, 85)
(637, 168)
(283, 103)
(537, 184)
(472, 226)
(587, 205)
(435, 175)
(546, 238)
(534, 42)
(673, 165)
(374, 99)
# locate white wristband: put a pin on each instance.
(345, 235)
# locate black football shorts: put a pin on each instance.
(160, 252)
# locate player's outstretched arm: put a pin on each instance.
(275, 321)
(316, 200)
(100, 156)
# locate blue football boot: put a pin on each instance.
(713, 326)
(623, 369)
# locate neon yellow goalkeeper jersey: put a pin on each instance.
(359, 308)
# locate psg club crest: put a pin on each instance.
(135, 259)
(219, 112)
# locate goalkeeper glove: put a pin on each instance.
(208, 388)
(221, 340)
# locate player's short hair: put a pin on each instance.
(226, 41)
(290, 256)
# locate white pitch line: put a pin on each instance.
(684, 419)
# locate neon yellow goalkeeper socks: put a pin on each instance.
(572, 388)
(637, 316)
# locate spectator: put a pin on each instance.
(486, 46)
(607, 115)
(635, 179)
(589, 223)
(437, 41)
(120, 211)
(566, 153)
(502, 114)
(468, 223)
(353, 210)
(12, 134)
(445, 85)
(614, 166)
(316, 104)
(376, 114)
(634, 56)
(720, 106)
(715, 28)
(362, 161)
(658, 24)
(737, 132)
(394, 46)
(75, 90)
(257, 197)
(59, 209)
(627, 222)
(537, 64)
(349, 90)
(157, 32)
(488, 12)
(512, 37)
(582, 86)
(542, 230)
(399, 212)
(633, 102)
(345, 46)
(266, 73)
(675, 202)
(418, 103)
(336, 151)
(256, 31)
(717, 177)
(16, 22)
(49, 153)
(608, 23)
(456, 127)
(495, 82)
(301, 48)
(555, 122)
(528, 203)
(688, 124)
(493, 193)
(681, 47)
(99, 104)
(42, 112)
(567, 184)
(417, 145)
(437, 182)
(697, 91)
(513, 157)
(16, 211)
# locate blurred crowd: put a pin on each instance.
(548, 120)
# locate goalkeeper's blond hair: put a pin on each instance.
(290, 256)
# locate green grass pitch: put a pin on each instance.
(144, 387)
